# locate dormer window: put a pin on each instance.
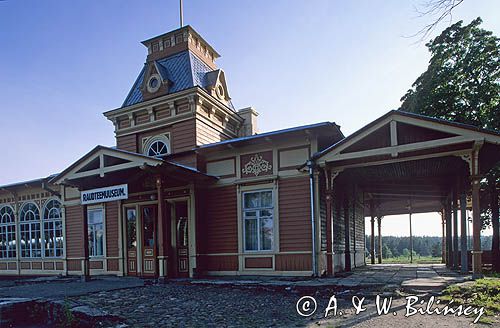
(153, 83)
(220, 91)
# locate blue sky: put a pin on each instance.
(63, 63)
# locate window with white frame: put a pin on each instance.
(157, 146)
(7, 232)
(95, 222)
(258, 220)
(29, 231)
(53, 229)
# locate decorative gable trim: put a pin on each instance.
(102, 160)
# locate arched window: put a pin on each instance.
(7, 232)
(158, 148)
(29, 228)
(53, 229)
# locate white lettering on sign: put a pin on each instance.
(106, 194)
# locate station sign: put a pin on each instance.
(106, 194)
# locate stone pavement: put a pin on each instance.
(411, 277)
(62, 287)
(228, 301)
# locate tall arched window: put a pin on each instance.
(29, 228)
(53, 229)
(7, 232)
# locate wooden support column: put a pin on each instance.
(477, 265)
(347, 234)
(443, 238)
(495, 245)
(329, 222)
(372, 237)
(476, 230)
(86, 260)
(464, 267)
(455, 228)
(379, 219)
(160, 230)
(449, 239)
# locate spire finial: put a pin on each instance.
(181, 14)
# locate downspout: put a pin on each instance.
(310, 165)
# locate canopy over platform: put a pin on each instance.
(407, 163)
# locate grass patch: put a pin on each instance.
(405, 259)
(481, 293)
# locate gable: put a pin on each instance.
(103, 160)
(396, 133)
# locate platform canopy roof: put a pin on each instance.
(405, 162)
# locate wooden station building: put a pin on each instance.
(191, 188)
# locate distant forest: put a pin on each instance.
(423, 246)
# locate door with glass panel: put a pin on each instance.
(131, 226)
(181, 239)
(148, 240)
(95, 220)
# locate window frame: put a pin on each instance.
(30, 230)
(103, 223)
(8, 253)
(52, 228)
(258, 219)
(163, 138)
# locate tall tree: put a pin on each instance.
(462, 81)
(462, 84)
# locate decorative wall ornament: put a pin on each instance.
(468, 159)
(256, 165)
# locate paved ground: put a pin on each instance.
(249, 302)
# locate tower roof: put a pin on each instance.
(183, 71)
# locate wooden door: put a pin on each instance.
(148, 225)
(182, 239)
(131, 226)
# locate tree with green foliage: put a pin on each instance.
(386, 251)
(462, 84)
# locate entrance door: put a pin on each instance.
(181, 240)
(131, 216)
(148, 223)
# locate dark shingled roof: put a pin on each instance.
(184, 70)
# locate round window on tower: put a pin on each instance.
(220, 91)
(153, 83)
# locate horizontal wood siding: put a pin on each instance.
(183, 136)
(74, 231)
(206, 134)
(112, 229)
(188, 160)
(294, 215)
(221, 220)
(219, 263)
(128, 143)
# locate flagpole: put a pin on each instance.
(181, 13)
